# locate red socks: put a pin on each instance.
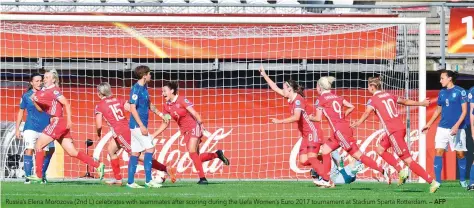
(116, 168)
(87, 159)
(370, 163)
(207, 156)
(417, 169)
(39, 158)
(318, 167)
(326, 166)
(197, 163)
(158, 166)
(390, 159)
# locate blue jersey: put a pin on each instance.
(450, 101)
(35, 120)
(140, 97)
(470, 99)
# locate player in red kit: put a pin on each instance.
(331, 106)
(190, 124)
(50, 100)
(384, 105)
(112, 109)
(300, 113)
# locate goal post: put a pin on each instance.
(216, 59)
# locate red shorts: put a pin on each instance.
(196, 132)
(310, 143)
(124, 139)
(344, 139)
(57, 129)
(397, 141)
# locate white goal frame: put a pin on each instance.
(421, 22)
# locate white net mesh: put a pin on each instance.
(216, 66)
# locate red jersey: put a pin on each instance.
(179, 113)
(47, 99)
(304, 124)
(113, 111)
(332, 107)
(385, 106)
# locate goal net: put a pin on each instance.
(216, 61)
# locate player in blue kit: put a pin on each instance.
(141, 140)
(452, 105)
(35, 123)
(470, 122)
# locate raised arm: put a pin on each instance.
(270, 82)
(349, 107)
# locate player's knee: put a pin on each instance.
(29, 152)
(460, 154)
(380, 150)
(51, 151)
(439, 152)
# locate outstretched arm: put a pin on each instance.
(364, 116)
(162, 127)
(270, 82)
(409, 102)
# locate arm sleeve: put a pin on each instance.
(439, 102)
(23, 102)
(185, 102)
(134, 96)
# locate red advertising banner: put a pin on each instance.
(460, 35)
(134, 40)
(239, 123)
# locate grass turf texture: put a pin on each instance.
(233, 194)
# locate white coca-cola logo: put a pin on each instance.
(363, 144)
(178, 159)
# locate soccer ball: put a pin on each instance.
(159, 177)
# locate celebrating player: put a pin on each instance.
(332, 107)
(139, 107)
(383, 103)
(112, 109)
(35, 123)
(51, 100)
(453, 108)
(190, 124)
(471, 126)
(311, 142)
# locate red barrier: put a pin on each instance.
(240, 122)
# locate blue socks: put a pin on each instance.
(471, 176)
(132, 168)
(462, 169)
(47, 159)
(438, 166)
(147, 166)
(28, 163)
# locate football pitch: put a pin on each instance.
(233, 194)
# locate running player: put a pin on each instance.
(142, 141)
(112, 109)
(191, 126)
(383, 103)
(452, 105)
(332, 107)
(51, 100)
(311, 141)
(35, 123)
(471, 126)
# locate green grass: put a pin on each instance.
(243, 194)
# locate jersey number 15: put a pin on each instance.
(117, 111)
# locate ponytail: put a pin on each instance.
(296, 87)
